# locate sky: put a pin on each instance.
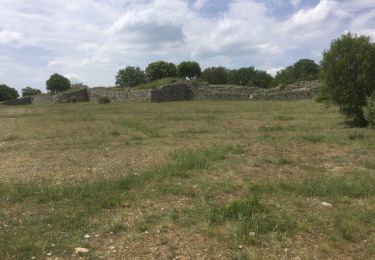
(88, 41)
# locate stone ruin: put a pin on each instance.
(183, 90)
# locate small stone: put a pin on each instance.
(87, 236)
(146, 232)
(240, 246)
(96, 236)
(252, 234)
(33, 257)
(49, 254)
(327, 205)
(112, 248)
(81, 250)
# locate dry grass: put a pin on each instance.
(214, 180)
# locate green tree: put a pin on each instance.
(304, 69)
(130, 77)
(28, 91)
(261, 79)
(348, 70)
(189, 69)
(7, 93)
(241, 76)
(215, 75)
(160, 69)
(57, 83)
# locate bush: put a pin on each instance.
(57, 83)
(7, 93)
(189, 70)
(160, 69)
(104, 100)
(28, 91)
(348, 70)
(369, 111)
(130, 77)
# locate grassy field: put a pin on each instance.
(186, 180)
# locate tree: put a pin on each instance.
(57, 83)
(348, 70)
(28, 91)
(261, 79)
(130, 77)
(241, 76)
(215, 75)
(303, 69)
(306, 69)
(160, 69)
(189, 69)
(7, 93)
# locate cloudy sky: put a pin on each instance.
(89, 40)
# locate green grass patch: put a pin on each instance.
(157, 83)
(252, 215)
(352, 186)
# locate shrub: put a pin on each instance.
(7, 93)
(104, 100)
(28, 91)
(348, 70)
(160, 69)
(189, 69)
(369, 111)
(130, 77)
(57, 83)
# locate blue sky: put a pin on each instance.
(89, 40)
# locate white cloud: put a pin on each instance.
(89, 40)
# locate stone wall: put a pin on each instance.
(121, 95)
(17, 102)
(298, 91)
(172, 92)
(42, 99)
(72, 96)
(221, 92)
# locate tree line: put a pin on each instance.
(132, 76)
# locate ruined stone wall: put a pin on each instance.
(42, 99)
(172, 92)
(121, 95)
(221, 92)
(298, 91)
(72, 96)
